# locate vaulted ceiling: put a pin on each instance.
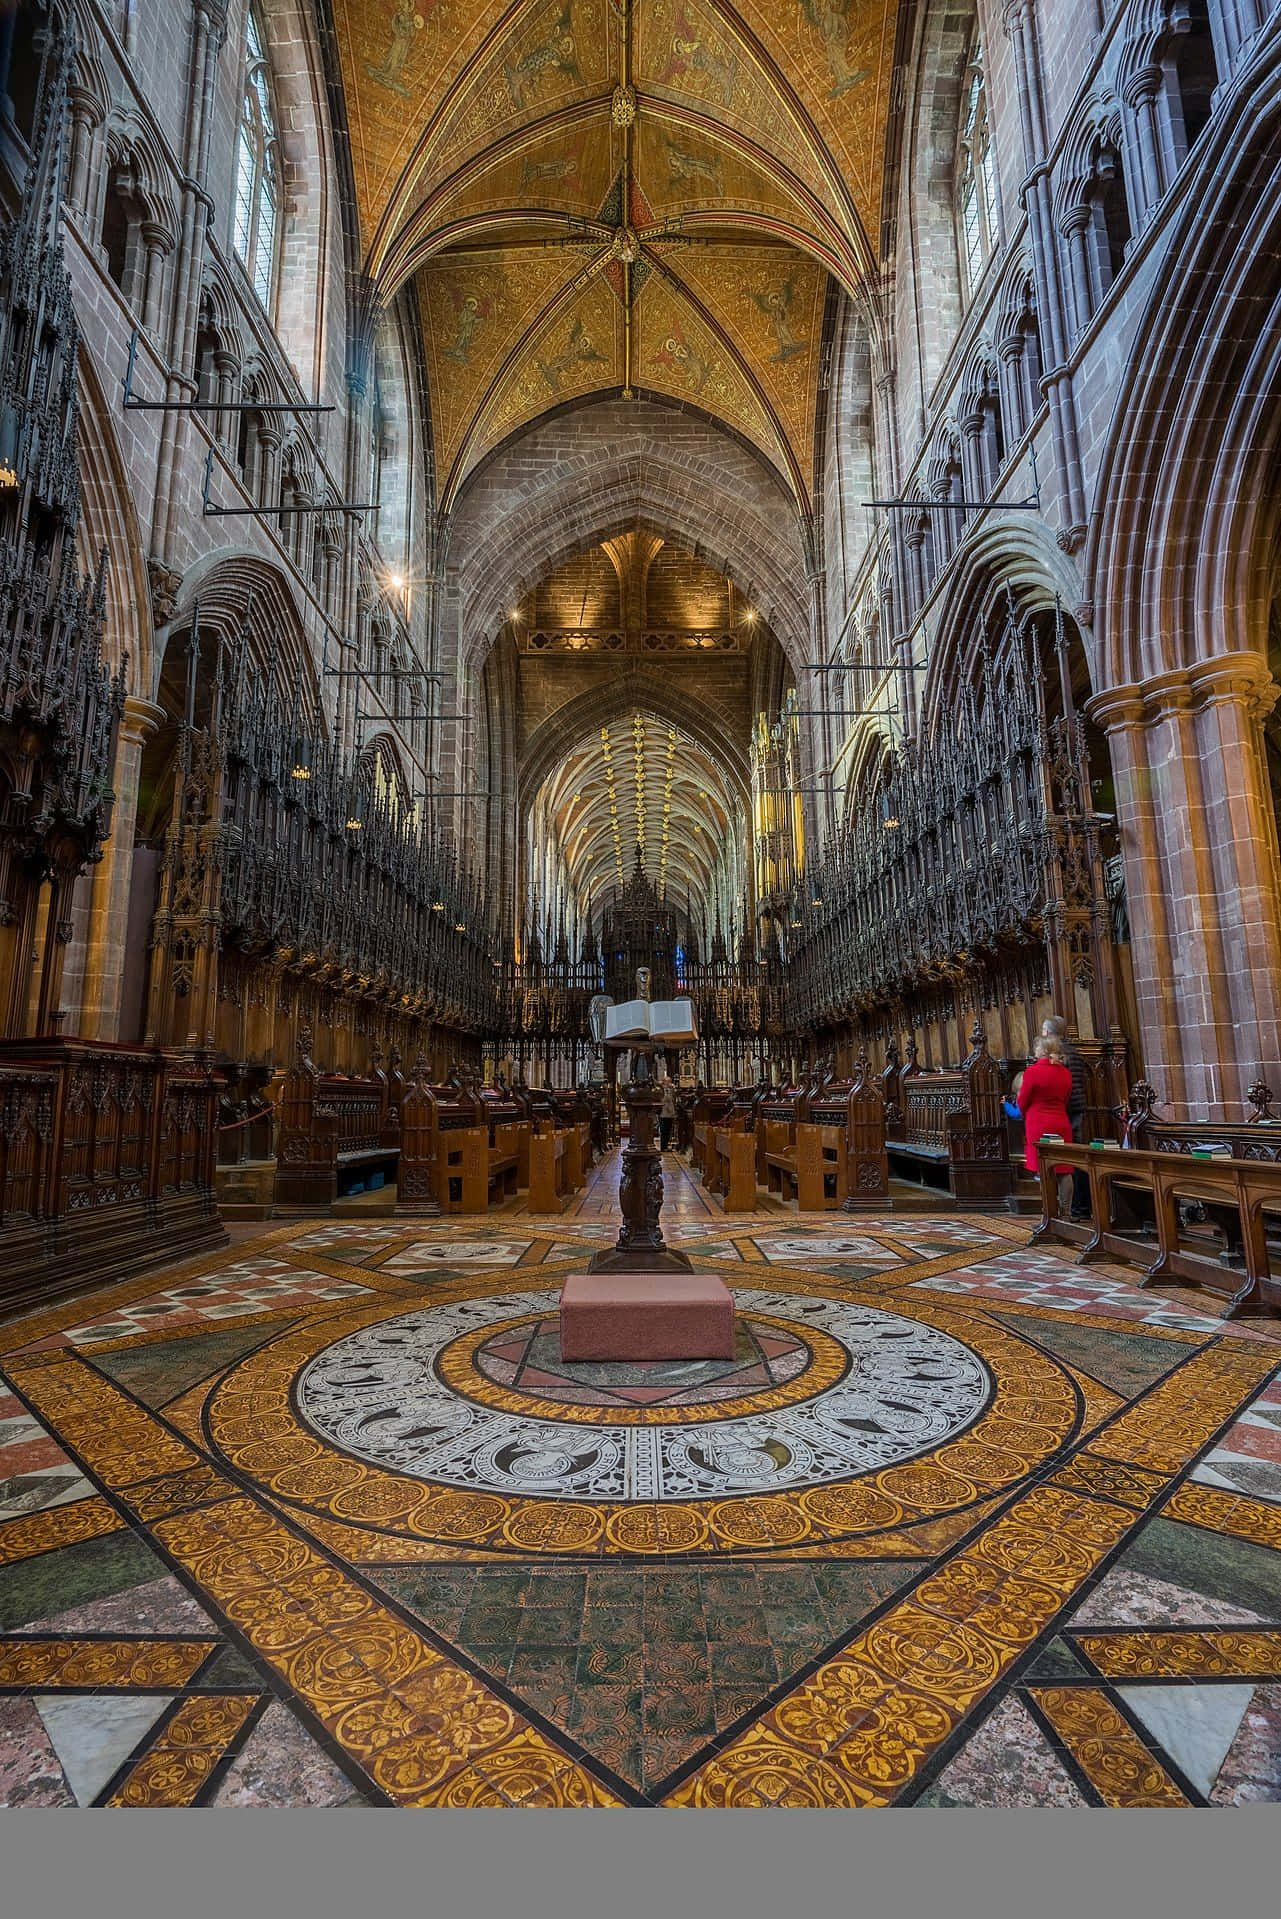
(641, 783)
(618, 196)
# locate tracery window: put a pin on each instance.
(257, 208)
(975, 175)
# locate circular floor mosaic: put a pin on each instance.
(846, 1389)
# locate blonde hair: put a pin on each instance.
(1050, 1047)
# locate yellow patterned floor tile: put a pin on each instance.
(155, 1665)
(1106, 1748)
(1235, 1653)
(56, 1526)
(189, 1747)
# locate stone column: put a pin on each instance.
(109, 903)
(1076, 225)
(224, 421)
(1202, 877)
(157, 242)
(1141, 95)
(85, 118)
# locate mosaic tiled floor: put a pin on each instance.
(326, 1521)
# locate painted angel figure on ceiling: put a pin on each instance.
(688, 166)
(680, 358)
(471, 310)
(830, 19)
(557, 53)
(776, 304)
(406, 21)
(688, 54)
(581, 351)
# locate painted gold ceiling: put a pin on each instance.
(605, 196)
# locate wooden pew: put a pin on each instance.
(731, 1167)
(840, 1147)
(953, 1135)
(333, 1130)
(778, 1114)
(574, 1109)
(710, 1106)
(509, 1128)
(1251, 1188)
(107, 1158)
(444, 1158)
(557, 1161)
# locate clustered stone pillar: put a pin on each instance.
(109, 907)
(1202, 877)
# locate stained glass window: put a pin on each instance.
(256, 218)
(976, 201)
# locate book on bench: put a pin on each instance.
(663, 1022)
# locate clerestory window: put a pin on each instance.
(975, 175)
(256, 226)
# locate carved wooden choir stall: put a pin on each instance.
(822, 1145)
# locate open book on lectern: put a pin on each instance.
(663, 1022)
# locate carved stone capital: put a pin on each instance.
(1236, 677)
(1240, 678)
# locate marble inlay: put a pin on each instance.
(378, 1394)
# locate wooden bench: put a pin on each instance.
(952, 1131)
(557, 1163)
(778, 1114)
(710, 1106)
(1250, 1188)
(333, 1131)
(507, 1122)
(444, 1150)
(106, 1164)
(731, 1166)
(574, 1108)
(1257, 1138)
(840, 1146)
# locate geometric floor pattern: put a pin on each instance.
(325, 1520)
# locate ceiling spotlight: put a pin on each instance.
(396, 581)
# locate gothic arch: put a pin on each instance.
(301, 320)
(1178, 555)
(1027, 564)
(927, 224)
(234, 586)
(596, 472)
(110, 525)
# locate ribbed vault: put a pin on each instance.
(597, 197)
(640, 783)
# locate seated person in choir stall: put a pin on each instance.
(1043, 1094)
(667, 1112)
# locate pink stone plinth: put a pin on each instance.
(640, 1316)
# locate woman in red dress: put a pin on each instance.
(1043, 1098)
